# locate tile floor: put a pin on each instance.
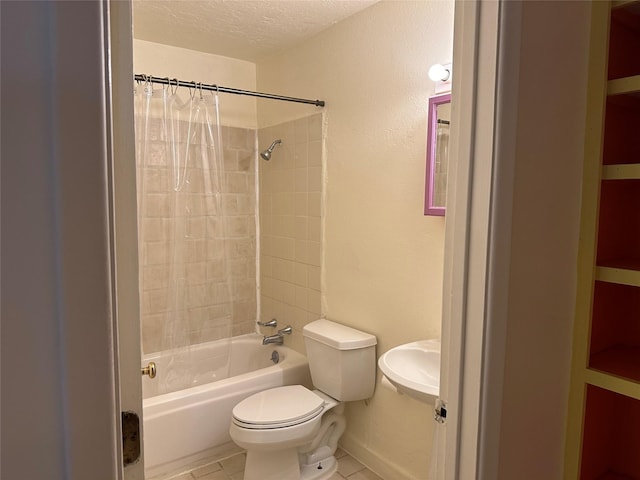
(232, 468)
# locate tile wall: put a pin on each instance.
(291, 225)
(291, 238)
(208, 301)
(239, 204)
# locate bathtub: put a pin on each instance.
(191, 426)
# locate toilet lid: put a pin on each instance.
(278, 407)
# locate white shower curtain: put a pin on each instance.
(184, 268)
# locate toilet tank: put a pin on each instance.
(342, 360)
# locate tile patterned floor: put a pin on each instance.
(232, 468)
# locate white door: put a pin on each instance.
(124, 225)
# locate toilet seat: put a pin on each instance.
(278, 408)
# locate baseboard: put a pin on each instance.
(375, 461)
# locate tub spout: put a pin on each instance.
(276, 339)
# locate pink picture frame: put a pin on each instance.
(430, 208)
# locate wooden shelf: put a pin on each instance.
(629, 274)
(624, 85)
(614, 343)
(630, 171)
(613, 383)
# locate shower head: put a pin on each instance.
(267, 153)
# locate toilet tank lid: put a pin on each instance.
(338, 336)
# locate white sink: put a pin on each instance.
(414, 369)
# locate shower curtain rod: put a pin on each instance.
(217, 88)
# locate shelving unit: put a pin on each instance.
(610, 421)
(603, 436)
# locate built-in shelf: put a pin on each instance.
(612, 436)
(604, 423)
(630, 171)
(614, 344)
(612, 383)
(628, 275)
(624, 85)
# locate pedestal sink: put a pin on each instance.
(414, 368)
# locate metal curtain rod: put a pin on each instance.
(217, 88)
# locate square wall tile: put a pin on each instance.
(315, 127)
(301, 127)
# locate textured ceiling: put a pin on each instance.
(247, 30)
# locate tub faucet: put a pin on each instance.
(278, 338)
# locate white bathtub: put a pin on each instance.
(188, 426)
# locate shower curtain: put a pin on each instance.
(184, 268)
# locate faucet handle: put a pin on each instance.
(286, 330)
(271, 323)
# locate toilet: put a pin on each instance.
(291, 432)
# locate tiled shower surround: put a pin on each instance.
(207, 299)
(290, 241)
(291, 225)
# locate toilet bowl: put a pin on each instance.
(282, 430)
(291, 432)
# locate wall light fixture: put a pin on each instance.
(441, 75)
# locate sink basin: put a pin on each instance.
(414, 369)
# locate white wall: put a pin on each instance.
(174, 62)
(383, 257)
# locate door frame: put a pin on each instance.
(477, 237)
(467, 262)
(124, 221)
